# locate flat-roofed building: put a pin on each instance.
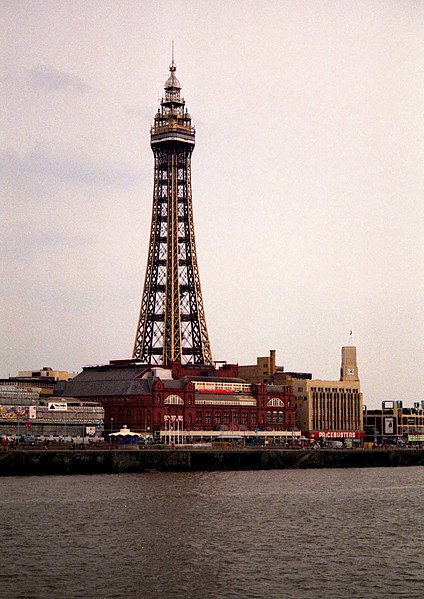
(325, 409)
(24, 411)
(46, 380)
(394, 423)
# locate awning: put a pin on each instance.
(125, 432)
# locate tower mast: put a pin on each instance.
(172, 324)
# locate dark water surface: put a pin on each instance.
(270, 534)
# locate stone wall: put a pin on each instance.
(90, 461)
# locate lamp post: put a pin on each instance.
(181, 428)
(173, 419)
(166, 422)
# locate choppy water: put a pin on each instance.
(273, 534)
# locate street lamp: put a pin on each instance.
(181, 428)
(166, 421)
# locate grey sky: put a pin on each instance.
(307, 179)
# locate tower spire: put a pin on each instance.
(172, 324)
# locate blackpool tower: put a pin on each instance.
(172, 325)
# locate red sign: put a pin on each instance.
(336, 435)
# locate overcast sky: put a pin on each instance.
(307, 179)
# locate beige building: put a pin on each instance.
(45, 373)
(44, 380)
(325, 410)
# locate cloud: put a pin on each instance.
(67, 168)
(50, 79)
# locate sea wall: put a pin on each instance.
(92, 461)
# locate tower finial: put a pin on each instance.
(172, 67)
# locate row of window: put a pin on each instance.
(225, 418)
(335, 395)
(334, 390)
(215, 385)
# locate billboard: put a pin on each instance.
(389, 426)
(17, 412)
(416, 438)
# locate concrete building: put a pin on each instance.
(23, 411)
(46, 380)
(394, 424)
(325, 410)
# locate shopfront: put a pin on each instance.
(347, 438)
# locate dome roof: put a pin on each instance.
(172, 80)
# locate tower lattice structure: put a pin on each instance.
(172, 324)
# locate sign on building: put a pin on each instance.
(388, 426)
(16, 412)
(58, 406)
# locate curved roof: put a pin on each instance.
(172, 81)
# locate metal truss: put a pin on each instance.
(172, 324)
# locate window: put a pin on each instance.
(208, 418)
(276, 402)
(174, 399)
(226, 417)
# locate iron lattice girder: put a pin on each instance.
(172, 322)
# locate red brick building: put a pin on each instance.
(146, 398)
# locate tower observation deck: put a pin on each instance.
(171, 325)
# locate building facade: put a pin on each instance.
(394, 423)
(202, 401)
(45, 381)
(24, 411)
(325, 410)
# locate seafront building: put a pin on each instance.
(187, 403)
(29, 405)
(24, 411)
(325, 409)
(171, 387)
(45, 380)
(394, 423)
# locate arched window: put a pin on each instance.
(276, 402)
(174, 399)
